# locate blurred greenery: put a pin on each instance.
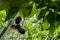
(42, 19)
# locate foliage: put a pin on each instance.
(42, 18)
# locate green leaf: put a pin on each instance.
(25, 11)
(42, 14)
(52, 29)
(46, 25)
(50, 17)
(57, 17)
(33, 11)
(29, 26)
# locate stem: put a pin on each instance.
(17, 38)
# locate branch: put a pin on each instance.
(8, 25)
